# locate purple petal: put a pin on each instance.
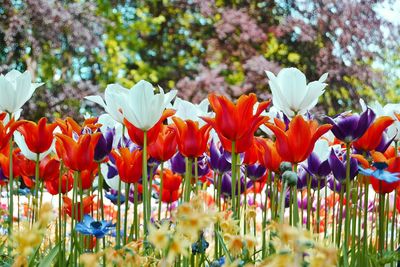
(366, 118)
(338, 168)
(324, 169)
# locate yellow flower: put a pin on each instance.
(89, 260)
(178, 246)
(251, 212)
(234, 244)
(251, 242)
(159, 237)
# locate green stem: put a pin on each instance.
(381, 235)
(11, 190)
(233, 178)
(196, 175)
(295, 203)
(118, 228)
(308, 201)
(161, 189)
(282, 203)
(348, 218)
(135, 215)
(127, 185)
(145, 185)
(188, 178)
(61, 239)
(365, 232)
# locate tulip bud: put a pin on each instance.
(290, 177)
(285, 166)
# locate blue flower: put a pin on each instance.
(91, 227)
(113, 197)
(380, 173)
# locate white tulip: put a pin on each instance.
(142, 107)
(15, 89)
(114, 95)
(387, 110)
(290, 92)
(189, 111)
(272, 113)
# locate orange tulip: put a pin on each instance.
(297, 143)
(49, 168)
(236, 123)
(165, 145)
(5, 163)
(251, 155)
(87, 203)
(67, 182)
(38, 137)
(192, 140)
(129, 164)
(269, 156)
(171, 184)
(373, 136)
(6, 131)
(69, 126)
(137, 135)
(77, 155)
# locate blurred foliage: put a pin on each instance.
(78, 47)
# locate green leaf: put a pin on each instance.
(50, 257)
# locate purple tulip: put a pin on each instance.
(178, 165)
(349, 127)
(385, 142)
(218, 158)
(255, 171)
(302, 182)
(335, 186)
(226, 184)
(104, 145)
(339, 166)
(316, 167)
(131, 195)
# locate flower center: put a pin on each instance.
(95, 224)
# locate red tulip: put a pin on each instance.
(165, 145)
(67, 182)
(77, 155)
(129, 164)
(137, 135)
(236, 123)
(373, 136)
(192, 140)
(297, 143)
(269, 156)
(87, 203)
(38, 137)
(6, 131)
(171, 184)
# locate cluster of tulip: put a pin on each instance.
(157, 180)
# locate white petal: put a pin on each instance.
(314, 91)
(20, 141)
(322, 150)
(96, 99)
(363, 105)
(7, 99)
(292, 83)
(13, 75)
(323, 77)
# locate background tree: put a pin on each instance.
(78, 47)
